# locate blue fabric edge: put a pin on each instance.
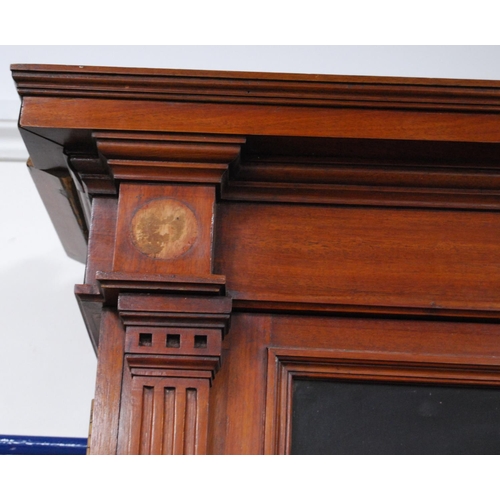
(41, 445)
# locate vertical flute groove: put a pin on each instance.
(190, 422)
(168, 420)
(146, 420)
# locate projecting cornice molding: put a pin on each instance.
(296, 170)
(256, 88)
(186, 158)
(262, 137)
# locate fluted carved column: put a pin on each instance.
(150, 267)
(172, 352)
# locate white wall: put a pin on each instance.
(47, 365)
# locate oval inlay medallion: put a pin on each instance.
(164, 228)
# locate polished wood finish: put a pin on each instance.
(168, 372)
(248, 229)
(149, 216)
(407, 260)
(265, 352)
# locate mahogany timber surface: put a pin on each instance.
(68, 110)
(425, 259)
(108, 395)
(54, 116)
(102, 238)
(237, 397)
(58, 194)
(423, 351)
(195, 261)
(251, 87)
(355, 237)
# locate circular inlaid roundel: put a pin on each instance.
(164, 228)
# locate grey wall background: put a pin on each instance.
(47, 366)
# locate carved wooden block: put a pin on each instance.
(164, 229)
(168, 416)
(168, 372)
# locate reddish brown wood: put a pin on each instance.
(425, 260)
(237, 398)
(267, 351)
(168, 417)
(250, 228)
(246, 87)
(288, 364)
(204, 118)
(106, 407)
(399, 337)
(349, 349)
(172, 352)
(102, 238)
(194, 258)
(167, 157)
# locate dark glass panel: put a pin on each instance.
(332, 417)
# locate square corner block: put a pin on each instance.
(164, 229)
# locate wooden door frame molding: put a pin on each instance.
(286, 365)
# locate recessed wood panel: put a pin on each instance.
(267, 351)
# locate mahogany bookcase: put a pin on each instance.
(244, 231)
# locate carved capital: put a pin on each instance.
(158, 157)
(172, 352)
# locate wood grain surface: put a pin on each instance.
(415, 258)
(252, 229)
